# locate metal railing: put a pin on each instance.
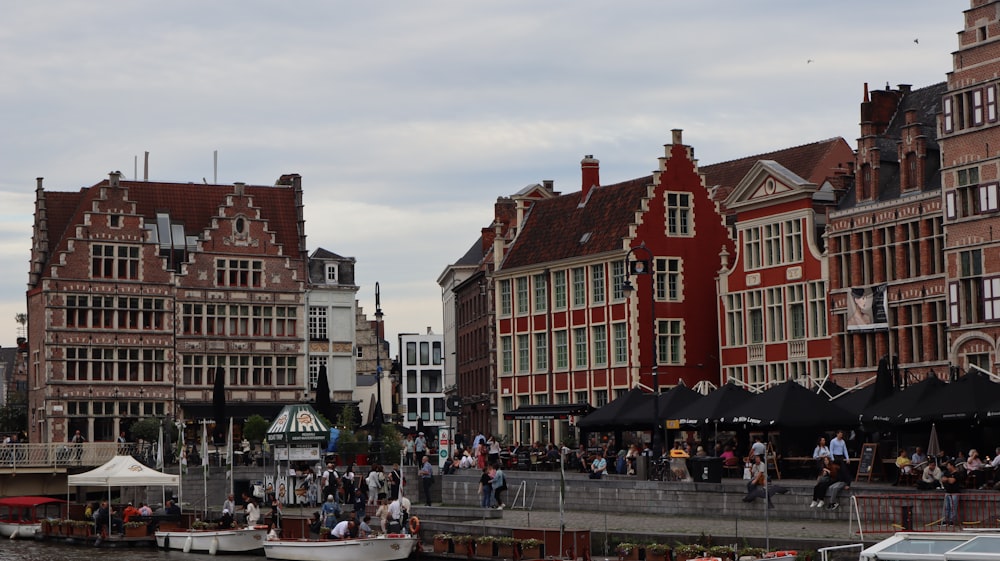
(60, 454)
(929, 511)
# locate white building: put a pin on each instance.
(331, 313)
(422, 392)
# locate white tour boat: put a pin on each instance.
(391, 547)
(234, 540)
(21, 517)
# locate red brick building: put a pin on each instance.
(567, 332)
(969, 134)
(140, 292)
(772, 295)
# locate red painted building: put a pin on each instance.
(566, 331)
(772, 295)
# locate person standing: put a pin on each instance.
(395, 479)
(494, 449)
(485, 489)
(419, 445)
(426, 479)
(952, 480)
(252, 512)
(408, 448)
(78, 440)
(499, 483)
(821, 451)
(229, 504)
(838, 448)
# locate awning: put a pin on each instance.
(547, 412)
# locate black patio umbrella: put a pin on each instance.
(829, 389)
(621, 413)
(670, 402)
(895, 409)
(973, 396)
(219, 397)
(855, 401)
(711, 407)
(788, 405)
(322, 401)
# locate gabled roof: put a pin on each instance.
(755, 189)
(559, 228)
(193, 205)
(321, 253)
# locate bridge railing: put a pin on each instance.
(59, 454)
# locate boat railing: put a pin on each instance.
(14, 456)
(825, 551)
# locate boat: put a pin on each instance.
(967, 545)
(235, 540)
(21, 517)
(389, 547)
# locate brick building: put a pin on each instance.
(772, 296)
(969, 134)
(140, 292)
(567, 332)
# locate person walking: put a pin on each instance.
(426, 479)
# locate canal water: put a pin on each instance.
(29, 550)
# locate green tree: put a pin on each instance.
(255, 428)
(148, 429)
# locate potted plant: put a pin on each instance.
(67, 527)
(657, 552)
(464, 544)
(324, 533)
(724, 552)
(443, 543)
(83, 528)
(484, 546)
(684, 551)
(135, 529)
(505, 547)
(531, 548)
(627, 550)
(751, 551)
(806, 555)
(201, 525)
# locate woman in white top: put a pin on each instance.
(375, 481)
(821, 451)
(252, 512)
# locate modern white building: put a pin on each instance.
(422, 396)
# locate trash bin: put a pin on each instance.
(642, 467)
(706, 470)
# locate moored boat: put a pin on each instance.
(235, 540)
(21, 517)
(391, 547)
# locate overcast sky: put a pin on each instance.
(408, 119)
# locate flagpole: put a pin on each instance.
(229, 456)
(204, 466)
(159, 461)
(181, 466)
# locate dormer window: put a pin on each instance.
(240, 225)
(331, 273)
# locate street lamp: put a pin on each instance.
(378, 372)
(637, 267)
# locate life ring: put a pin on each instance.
(414, 525)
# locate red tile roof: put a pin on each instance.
(193, 205)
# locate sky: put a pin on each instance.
(408, 119)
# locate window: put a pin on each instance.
(600, 398)
(316, 363)
(523, 353)
(522, 295)
(240, 273)
(541, 352)
(678, 214)
(621, 343)
(262, 369)
(580, 350)
(411, 353)
(751, 245)
(562, 350)
(734, 319)
(579, 287)
(541, 293)
(331, 273)
(436, 353)
(793, 240)
(617, 280)
(284, 371)
(559, 289)
(285, 321)
(670, 342)
(505, 305)
(796, 311)
(77, 311)
(988, 197)
(411, 409)
(966, 200)
(192, 370)
(991, 299)
(77, 365)
(970, 286)
(755, 309)
(600, 343)
(581, 397)
(411, 381)
(506, 354)
(430, 381)
(778, 373)
(425, 353)
(317, 323)
(668, 279)
(817, 309)
(114, 262)
(597, 290)
(439, 409)
(775, 315)
(772, 245)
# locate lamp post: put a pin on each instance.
(378, 372)
(643, 265)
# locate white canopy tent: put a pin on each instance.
(123, 471)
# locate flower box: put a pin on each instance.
(627, 552)
(135, 530)
(657, 552)
(443, 544)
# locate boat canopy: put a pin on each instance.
(937, 546)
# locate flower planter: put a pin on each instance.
(137, 532)
(505, 550)
(534, 552)
(66, 529)
(485, 548)
(443, 545)
(468, 548)
(82, 531)
(630, 555)
(656, 555)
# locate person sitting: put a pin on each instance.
(919, 457)
(466, 462)
(931, 476)
(364, 530)
(828, 474)
(273, 533)
(129, 512)
(842, 483)
(599, 466)
(758, 482)
(904, 466)
(973, 468)
(226, 520)
(821, 451)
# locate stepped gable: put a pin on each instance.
(553, 228)
(927, 104)
(193, 205)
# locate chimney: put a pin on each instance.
(591, 172)
(115, 178)
(549, 185)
